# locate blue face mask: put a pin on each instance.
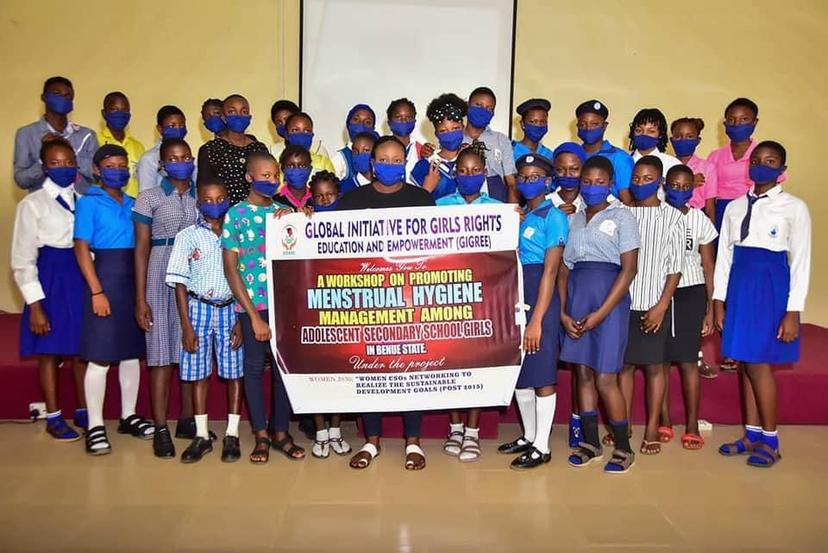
(329, 207)
(117, 120)
(567, 183)
(644, 191)
(180, 170)
(685, 147)
(356, 128)
(591, 136)
(301, 139)
(58, 103)
(114, 177)
(404, 128)
(740, 133)
(214, 211)
(62, 176)
(297, 177)
(535, 133)
(450, 140)
(677, 198)
(479, 117)
(214, 124)
(173, 132)
(594, 194)
(362, 162)
(644, 142)
(762, 174)
(264, 187)
(281, 131)
(531, 190)
(469, 185)
(238, 123)
(389, 174)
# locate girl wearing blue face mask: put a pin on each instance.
(361, 118)
(436, 173)
(361, 148)
(296, 170)
(692, 303)
(47, 274)
(543, 234)
(500, 180)
(159, 214)
(299, 132)
(109, 334)
(212, 116)
(534, 120)
(224, 156)
(600, 262)
(402, 120)
(116, 114)
(759, 290)
(170, 123)
(648, 137)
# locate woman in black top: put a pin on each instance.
(224, 156)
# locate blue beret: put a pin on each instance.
(592, 106)
(534, 160)
(108, 150)
(570, 148)
(533, 103)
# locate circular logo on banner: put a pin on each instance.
(289, 238)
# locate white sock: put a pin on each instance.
(322, 435)
(94, 384)
(472, 432)
(201, 426)
(545, 412)
(456, 427)
(233, 424)
(525, 398)
(335, 432)
(129, 375)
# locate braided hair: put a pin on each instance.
(447, 106)
(694, 121)
(476, 148)
(654, 116)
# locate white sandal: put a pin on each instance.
(453, 444)
(470, 452)
(321, 449)
(363, 463)
(340, 446)
(414, 449)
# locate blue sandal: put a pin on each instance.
(764, 456)
(739, 447)
(61, 431)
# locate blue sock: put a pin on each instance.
(52, 418)
(753, 433)
(770, 439)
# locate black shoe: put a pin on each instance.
(518, 446)
(162, 444)
(197, 449)
(530, 459)
(185, 429)
(307, 427)
(230, 450)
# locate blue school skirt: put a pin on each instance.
(602, 348)
(118, 336)
(497, 188)
(721, 204)
(541, 368)
(757, 300)
(63, 284)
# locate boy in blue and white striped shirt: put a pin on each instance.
(208, 320)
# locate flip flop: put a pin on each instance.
(362, 462)
(691, 442)
(646, 445)
(665, 434)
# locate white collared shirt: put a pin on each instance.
(557, 201)
(779, 222)
(40, 221)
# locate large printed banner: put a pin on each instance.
(396, 309)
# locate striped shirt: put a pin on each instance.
(698, 232)
(661, 254)
(610, 232)
(196, 261)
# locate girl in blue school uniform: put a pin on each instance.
(50, 282)
(436, 173)
(600, 262)
(543, 234)
(463, 442)
(760, 285)
(110, 334)
(361, 118)
(361, 148)
(402, 120)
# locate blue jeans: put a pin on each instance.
(255, 355)
(411, 424)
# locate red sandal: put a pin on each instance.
(692, 442)
(665, 434)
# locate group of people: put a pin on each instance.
(123, 254)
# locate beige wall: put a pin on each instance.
(685, 59)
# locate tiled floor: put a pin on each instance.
(55, 498)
